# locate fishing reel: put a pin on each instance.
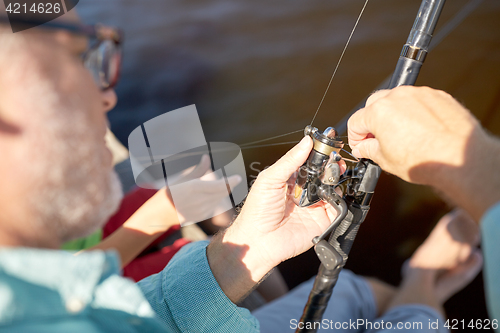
(321, 167)
(317, 180)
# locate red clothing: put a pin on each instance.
(151, 260)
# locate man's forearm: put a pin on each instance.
(129, 243)
(235, 264)
(475, 185)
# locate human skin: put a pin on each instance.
(52, 59)
(269, 229)
(445, 263)
(425, 136)
(42, 85)
(159, 214)
(419, 134)
(270, 225)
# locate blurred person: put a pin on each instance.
(147, 217)
(53, 115)
(69, 186)
(445, 263)
(54, 159)
(58, 183)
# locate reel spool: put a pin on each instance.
(321, 167)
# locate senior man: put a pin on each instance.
(58, 184)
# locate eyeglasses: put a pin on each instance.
(104, 56)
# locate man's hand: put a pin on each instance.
(269, 230)
(425, 136)
(195, 172)
(199, 199)
(408, 127)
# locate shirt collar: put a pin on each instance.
(61, 280)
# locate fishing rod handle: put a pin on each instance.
(326, 279)
(318, 299)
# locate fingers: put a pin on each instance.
(460, 276)
(193, 172)
(213, 187)
(463, 228)
(368, 148)
(361, 130)
(234, 180)
(281, 171)
(360, 125)
(343, 166)
(202, 168)
(474, 264)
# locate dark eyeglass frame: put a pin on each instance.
(99, 32)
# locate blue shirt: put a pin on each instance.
(186, 296)
(490, 230)
(53, 291)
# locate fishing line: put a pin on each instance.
(437, 39)
(221, 150)
(328, 87)
(340, 60)
(451, 25)
(356, 159)
(271, 144)
(271, 138)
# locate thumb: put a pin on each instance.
(288, 164)
(234, 180)
(368, 148)
(202, 168)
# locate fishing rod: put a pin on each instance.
(319, 177)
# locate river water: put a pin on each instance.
(257, 69)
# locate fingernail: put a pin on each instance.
(355, 152)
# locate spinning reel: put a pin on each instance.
(320, 175)
(317, 180)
